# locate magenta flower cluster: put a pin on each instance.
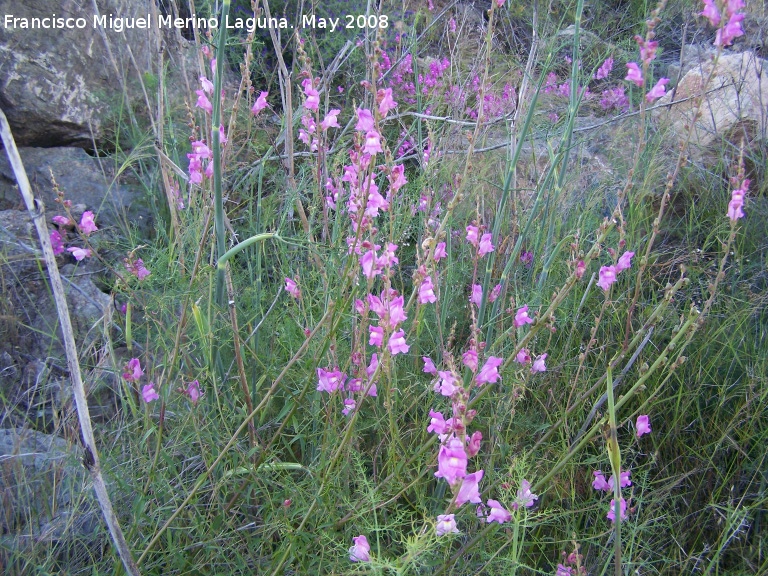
(86, 226)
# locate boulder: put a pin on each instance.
(735, 107)
(62, 86)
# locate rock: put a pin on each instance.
(82, 181)
(63, 86)
(45, 488)
(734, 107)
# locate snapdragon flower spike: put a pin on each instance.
(607, 277)
(525, 497)
(634, 74)
(87, 224)
(260, 104)
(643, 425)
(137, 268)
(452, 461)
(489, 373)
(469, 490)
(360, 550)
(647, 49)
(497, 513)
(330, 380)
(737, 202)
(522, 318)
(612, 510)
(446, 524)
(312, 101)
(732, 30)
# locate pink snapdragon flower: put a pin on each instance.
(364, 120)
(737, 202)
(607, 277)
(360, 550)
(446, 386)
(452, 461)
(397, 343)
(525, 497)
(612, 510)
(148, 393)
(476, 297)
(427, 292)
(494, 295)
(377, 336)
(732, 30)
(469, 490)
(87, 224)
(56, 242)
(372, 144)
(440, 251)
(486, 246)
(446, 524)
(538, 364)
(600, 483)
(437, 423)
(711, 13)
(260, 104)
(331, 119)
(624, 481)
(292, 288)
(522, 318)
(137, 268)
(524, 356)
(604, 70)
(625, 261)
(330, 380)
(657, 91)
(312, 101)
(497, 513)
(634, 74)
(397, 178)
(206, 84)
(61, 220)
(203, 102)
(489, 373)
(193, 391)
(133, 371)
(472, 232)
(79, 253)
(469, 358)
(386, 102)
(474, 442)
(581, 267)
(643, 425)
(429, 366)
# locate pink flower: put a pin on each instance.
(331, 120)
(56, 243)
(260, 104)
(440, 251)
(360, 550)
(397, 343)
(437, 423)
(473, 445)
(477, 294)
(469, 490)
(452, 461)
(330, 381)
(87, 225)
(486, 247)
(133, 371)
(447, 384)
(370, 265)
(79, 253)
(499, 3)
(737, 202)
(137, 268)
(429, 366)
(523, 357)
(647, 49)
(222, 136)
(61, 220)
(643, 425)
(580, 269)
(524, 496)
(148, 393)
(203, 102)
(489, 373)
(625, 262)
(624, 480)
(564, 570)
(599, 483)
(292, 288)
(472, 232)
(427, 292)
(469, 358)
(372, 143)
(498, 513)
(206, 84)
(711, 13)
(396, 311)
(607, 277)
(313, 96)
(397, 178)
(193, 391)
(635, 74)
(364, 120)
(377, 335)
(730, 31)
(446, 524)
(538, 364)
(612, 510)
(495, 293)
(349, 405)
(657, 91)
(386, 102)
(522, 318)
(604, 70)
